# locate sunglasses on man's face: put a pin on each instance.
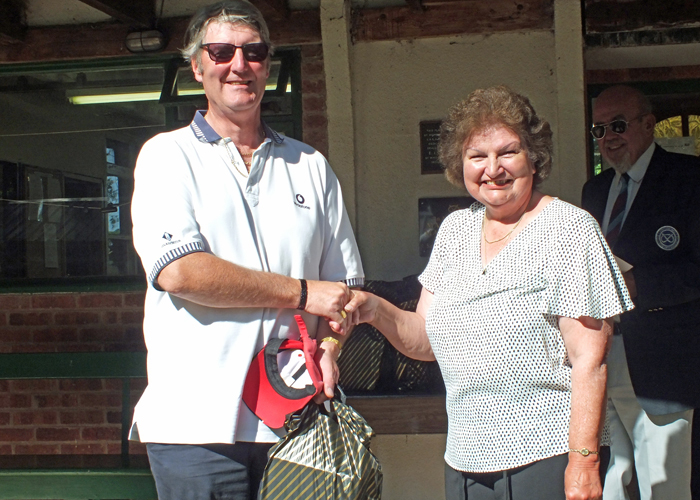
(224, 52)
(618, 126)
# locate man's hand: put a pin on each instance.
(327, 299)
(582, 479)
(362, 308)
(326, 359)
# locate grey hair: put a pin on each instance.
(236, 12)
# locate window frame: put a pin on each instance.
(290, 71)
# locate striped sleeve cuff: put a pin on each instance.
(172, 255)
(355, 282)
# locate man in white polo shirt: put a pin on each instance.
(238, 229)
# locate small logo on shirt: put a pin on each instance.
(300, 202)
(667, 238)
(169, 240)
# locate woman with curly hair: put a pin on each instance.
(516, 307)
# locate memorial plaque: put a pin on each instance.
(429, 137)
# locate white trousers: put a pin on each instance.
(658, 447)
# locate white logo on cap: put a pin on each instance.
(668, 238)
(294, 373)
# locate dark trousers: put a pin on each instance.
(541, 480)
(208, 472)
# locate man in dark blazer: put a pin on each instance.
(654, 363)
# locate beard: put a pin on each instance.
(621, 167)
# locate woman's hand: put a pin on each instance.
(362, 308)
(582, 479)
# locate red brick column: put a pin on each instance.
(313, 90)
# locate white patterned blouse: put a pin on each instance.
(494, 331)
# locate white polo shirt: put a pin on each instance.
(287, 216)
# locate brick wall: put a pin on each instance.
(313, 91)
(42, 421)
(71, 322)
(77, 422)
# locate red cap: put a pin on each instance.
(266, 393)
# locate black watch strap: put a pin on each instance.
(302, 298)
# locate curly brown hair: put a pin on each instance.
(490, 107)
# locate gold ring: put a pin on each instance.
(343, 314)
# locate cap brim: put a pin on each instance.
(266, 393)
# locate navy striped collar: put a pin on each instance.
(205, 133)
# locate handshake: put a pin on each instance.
(341, 306)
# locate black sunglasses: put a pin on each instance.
(618, 126)
(224, 52)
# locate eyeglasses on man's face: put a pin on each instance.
(618, 126)
(224, 52)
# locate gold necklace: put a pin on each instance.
(228, 140)
(483, 230)
(246, 155)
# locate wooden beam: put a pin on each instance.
(641, 38)
(415, 5)
(626, 75)
(408, 414)
(12, 21)
(88, 41)
(68, 42)
(452, 18)
(613, 15)
(273, 9)
(139, 13)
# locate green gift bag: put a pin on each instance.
(325, 455)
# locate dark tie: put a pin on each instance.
(617, 214)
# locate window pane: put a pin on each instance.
(669, 135)
(69, 139)
(670, 127)
(597, 159)
(68, 143)
(694, 128)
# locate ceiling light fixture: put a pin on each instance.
(145, 41)
(111, 96)
(114, 98)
